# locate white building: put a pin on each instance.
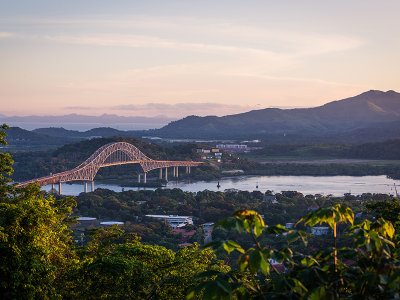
(319, 230)
(173, 220)
(110, 223)
(86, 219)
(232, 147)
(289, 225)
(208, 228)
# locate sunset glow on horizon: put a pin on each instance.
(178, 58)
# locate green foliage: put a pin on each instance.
(129, 269)
(369, 269)
(6, 162)
(35, 244)
(126, 206)
(379, 150)
(388, 209)
(331, 216)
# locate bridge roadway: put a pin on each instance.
(112, 154)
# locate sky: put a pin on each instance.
(178, 58)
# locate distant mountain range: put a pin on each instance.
(84, 122)
(373, 112)
(368, 117)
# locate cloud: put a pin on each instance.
(295, 44)
(142, 41)
(198, 63)
(195, 34)
(4, 35)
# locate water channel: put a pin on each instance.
(335, 185)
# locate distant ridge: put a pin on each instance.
(372, 109)
(369, 117)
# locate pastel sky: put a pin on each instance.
(177, 58)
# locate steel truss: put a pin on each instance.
(111, 154)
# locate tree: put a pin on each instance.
(121, 267)
(369, 269)
(389, 210)
(6, 163)
(35, 240)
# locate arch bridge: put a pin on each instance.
(112, 154)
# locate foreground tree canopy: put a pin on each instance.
(251, 260)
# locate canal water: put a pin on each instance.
(335, 185)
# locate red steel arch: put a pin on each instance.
(111, 154)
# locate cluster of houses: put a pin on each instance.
(210, 153)
(183, 225)
(177, 223)
(173, 221)
(216, 152)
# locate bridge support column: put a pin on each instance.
(52, 187)
(92, 185)
(138, 178)
(174, 171)
(86, 187)
(166, 174)
(160, 173)
(59, 188)
(177, 172)
(189, 169)
(145, 177)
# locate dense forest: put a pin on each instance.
(208, 206)
(251, 257)
(388, 150)
(131, 207)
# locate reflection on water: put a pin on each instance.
(335, 185)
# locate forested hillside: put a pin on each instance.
(387, 150)
(338, 120)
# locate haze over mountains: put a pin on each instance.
(85, 122)
(370, 116)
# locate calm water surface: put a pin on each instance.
(335, 185)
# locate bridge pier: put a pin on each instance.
(86, 187)
(166, 174)
(92, 185)
(138, 178)
(59, 188)
(145, 177)
(52, 187)
(177, 172)
(160, 173)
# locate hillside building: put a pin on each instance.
(173, 220)
(233, 147)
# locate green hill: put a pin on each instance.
(339, 119)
